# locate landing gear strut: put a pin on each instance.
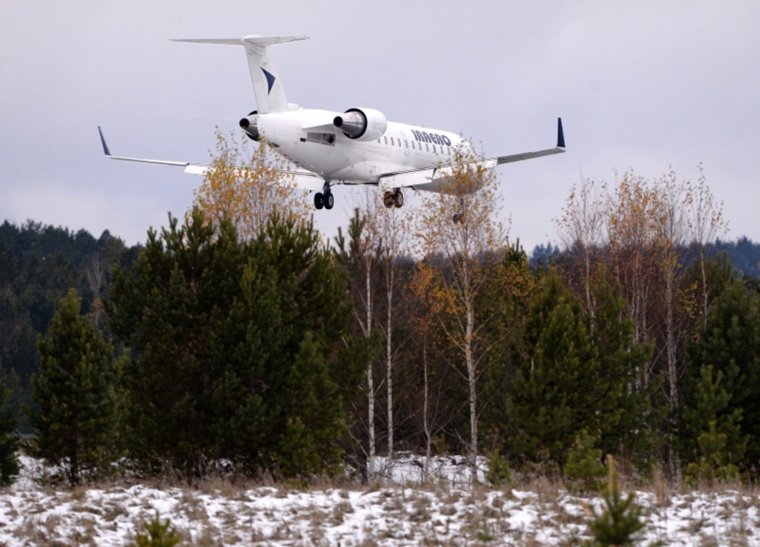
(393, 199)
(324, 198)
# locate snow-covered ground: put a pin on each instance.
(388, 513)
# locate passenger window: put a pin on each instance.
(385, 139)
(427, 147)
(392, 143)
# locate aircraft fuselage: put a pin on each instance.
(335, 157)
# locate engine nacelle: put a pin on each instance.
(363, 124)
(250, 124)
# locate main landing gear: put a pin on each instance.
(459, 215)
(324, 198)
(393, 199)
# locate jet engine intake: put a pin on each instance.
(363, 124)
(250, 125)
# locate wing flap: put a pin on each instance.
(433, 179)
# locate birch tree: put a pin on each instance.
(393, 230)
(461, 226)
(581, 230)
(359, 254)
(706, 223)
(247, 188)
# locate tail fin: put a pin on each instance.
(270, 95)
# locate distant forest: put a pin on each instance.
(38, 264)
(743, 254)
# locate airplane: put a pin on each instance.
(358, 146)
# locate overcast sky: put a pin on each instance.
(642, 85)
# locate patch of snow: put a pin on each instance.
(389, 513)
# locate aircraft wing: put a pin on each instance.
(437, 179)
(539, 153)
(192, 168)
(302, 179)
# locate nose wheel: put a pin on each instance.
(393, 199)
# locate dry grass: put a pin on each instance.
(240, 512)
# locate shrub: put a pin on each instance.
(621, 520)
(158, 534)
(584, 470)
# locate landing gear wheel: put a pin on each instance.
(319, 200)
(388, 199)
(329, 200)
(398, 199)
(457, 218)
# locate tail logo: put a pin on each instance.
(270, 80)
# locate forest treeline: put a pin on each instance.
(277, 352)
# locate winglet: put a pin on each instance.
(106, 151)
(560, 134)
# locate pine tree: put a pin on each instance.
(717, 434)
(242, 349)
(584, 469)
(626, 407)
(172, 311)
(730, 344)
(621, 521)
(79, 396)
(556, 387)
(9, 467)
(158, 534)
(310, 445)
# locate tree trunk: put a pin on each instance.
(704, 286)
(389, 360)
(471, 379)
(672, 364)
(370, 381)
(425, 406)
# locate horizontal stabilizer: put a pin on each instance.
(267, 87)
(253, 39)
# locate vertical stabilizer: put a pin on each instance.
(267, 86)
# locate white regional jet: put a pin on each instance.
(358, 146)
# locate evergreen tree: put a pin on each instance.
(584, 469)
(730, 393)
(714, 442)
(621, 520)
(9, 467)
(628, 410)
(171, 310)
(556, 389)
(241, 349)
(78, 394)
(506, 297)
(158, 534)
